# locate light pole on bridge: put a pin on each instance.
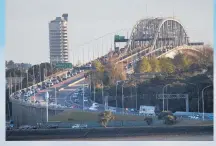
(204, 101)
(163, 93)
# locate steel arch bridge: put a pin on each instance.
(164, 33)
(154, 37)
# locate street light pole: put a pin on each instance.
(94, 92)
(21, 78)
(47, 106)
(136, 94)
(33, 75)
(10, 85)
(102, 92)
(123, 97)
(40, 72)
(55, 97)
(197, 94)
(116, 92)
(83, 55)
(27, 78)
(83, 98)
(163, 93)
(15, 81)
(203, 100)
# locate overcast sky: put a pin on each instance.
(27, 23)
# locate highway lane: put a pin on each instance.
(176, 137)
(61, 95)
(123, 133)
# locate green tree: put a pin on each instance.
(144, 66)
(114, 72)
(98, 66)
(181, 61)
(155, 64)
(166, 65)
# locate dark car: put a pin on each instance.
(53, 126)
(43, 87)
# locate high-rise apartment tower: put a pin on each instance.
(58, 39)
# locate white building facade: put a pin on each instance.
(58, 39)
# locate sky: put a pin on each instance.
(27, 34)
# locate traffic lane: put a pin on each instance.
(70, 100)
(64, 96)
(186, 137)
(68, 81)
(67, 89)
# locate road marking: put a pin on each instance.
(69, 89)
(76, 82)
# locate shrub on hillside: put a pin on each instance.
(148, 120)
(163, 114)
(170, 120)
(105, 118)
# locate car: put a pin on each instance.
(26, 94)
(92, 108)
(44, 87)
(64, 78)
(25, 127)
(52, 126)
(74, 96)
(50, 83)
(95, 104)
(76, 100)
(77, 126)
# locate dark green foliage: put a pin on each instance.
(148, 120)
(170, 120)
(163, 114)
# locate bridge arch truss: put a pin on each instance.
(159, 35)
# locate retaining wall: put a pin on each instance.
(24, 114)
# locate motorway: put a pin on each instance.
(124, 133)
(166, 137)
(63, 89)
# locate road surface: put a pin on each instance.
(186, 137)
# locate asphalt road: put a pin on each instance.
(181, 137)
(124, 133)
(63, 94)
